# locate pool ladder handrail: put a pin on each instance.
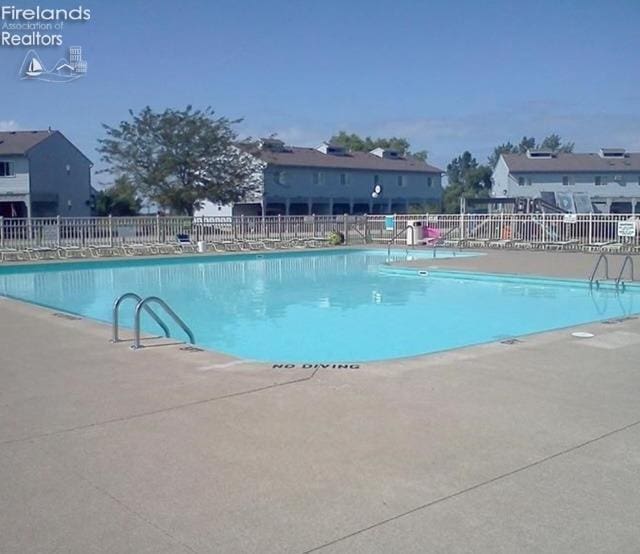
(115, 326)
(619, 280)
(400, 232)
(143, 305)
(593, 279)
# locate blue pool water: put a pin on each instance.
(320, 306)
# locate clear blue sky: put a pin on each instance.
(448, 75)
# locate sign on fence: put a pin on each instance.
(389, 223)
(626, 228)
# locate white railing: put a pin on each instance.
(522, 229)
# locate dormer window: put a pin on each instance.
(612, 153)
(332, 149)
(540, 154)
(387, 153)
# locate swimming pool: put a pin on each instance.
(320, 306)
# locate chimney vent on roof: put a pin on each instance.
(387, 153)
(540, 154)
(613, 152)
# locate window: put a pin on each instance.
(376, 180)
(565, 181)
(318, 177)
(429, 181)
(344, 178)
(7, 169)
(401, 181)
(597, 181)
(529, 181)
(521, 181)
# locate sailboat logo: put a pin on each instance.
(63, 71)
(35, 68)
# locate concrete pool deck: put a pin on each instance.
(525, 447)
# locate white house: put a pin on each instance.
(609, 180)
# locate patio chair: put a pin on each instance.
(10, 255)
(478, 243)
(561, 245)
(41, 253)
(184, 244)
(100, 250)
(500, 243)
(455, 243)
(597, 246)
(216, 246)
(66, 252)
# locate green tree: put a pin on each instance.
(356, 143)
(120, 199)
(527, 143)
(468, 179)
(554, 142)
(179, 158)
(505, 148)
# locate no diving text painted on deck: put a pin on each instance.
(316, 366)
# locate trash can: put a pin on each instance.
(202, 247)
(415, 237)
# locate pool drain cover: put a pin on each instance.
(191, 349)
(66, 316)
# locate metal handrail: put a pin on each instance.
(629, 259)
(413, 242)
(136, 321)
(116, 307)
(604, 257)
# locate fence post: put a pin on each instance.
(242, 236)
(158, 228)
(366, 229)
(461, 224)
(346, 229)
(110, 221)
(280, 227)
(1, 231)
(591, 228)
(58, 230)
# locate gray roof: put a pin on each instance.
(573, 163)
(19, 142)
(310, 157)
